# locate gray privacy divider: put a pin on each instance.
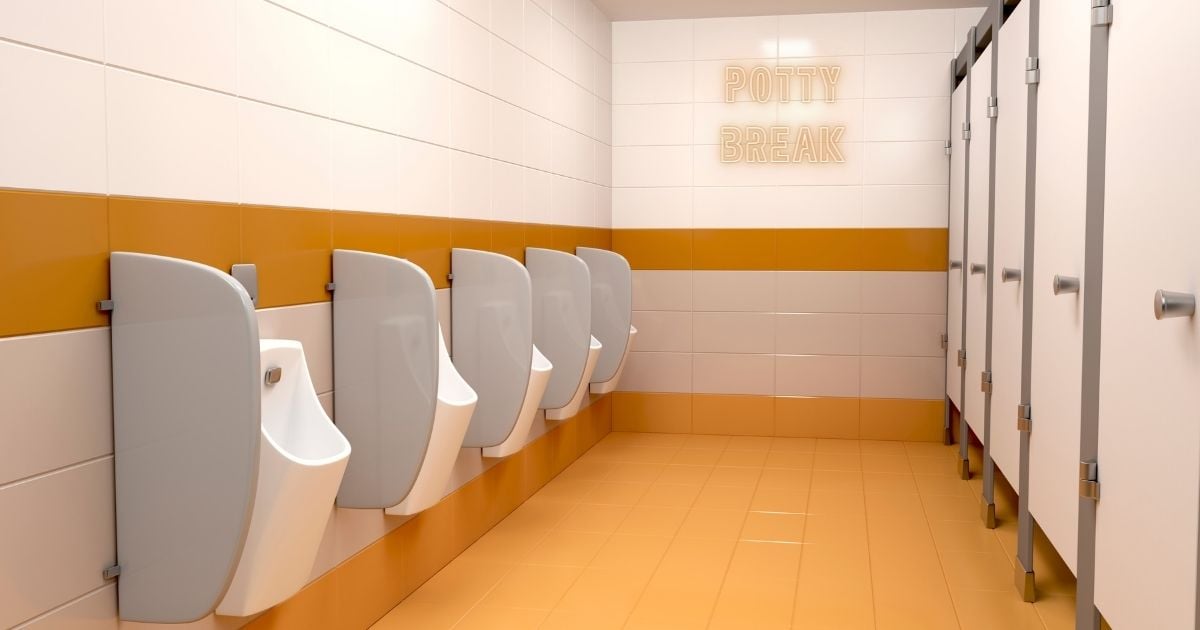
(612, 307)
(562, 319)
(492, 336)
(186, 420)
(385, 360)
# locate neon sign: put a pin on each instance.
(779, 144)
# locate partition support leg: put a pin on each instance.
(964, 458)
(948, 432)
(1024, 578)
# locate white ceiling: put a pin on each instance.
(619, 10)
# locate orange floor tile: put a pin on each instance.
(654, 531)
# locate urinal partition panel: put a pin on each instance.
(492, 337)
(562, 319)
(1149, 402)
(612, 308)
(1009, 240)
(1060, 197)
(385, 360)
(186, 421)
(958, 204)
(978, 191)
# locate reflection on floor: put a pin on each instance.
(671, 531)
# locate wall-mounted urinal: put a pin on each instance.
(562, 327)
(399, 400)
(612, 314)
(492, 336)
(225, 471)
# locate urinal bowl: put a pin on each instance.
(455, 404)
(539, 377)
(302, 458)
(610, 385)
(572, 408)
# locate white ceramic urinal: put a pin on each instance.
(301, 461)
(539, 376)
(611, 384)
(572, 408)
(455, 404)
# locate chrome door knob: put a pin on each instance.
(1173, 304)
(1008, 274)
(1065, 284)
(978, 268)
(955, 264)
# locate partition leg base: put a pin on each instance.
(1024, 581)
(948, 438)
(965, 469)
(987, 512)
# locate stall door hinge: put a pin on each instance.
(947, 146)
(1102, 13)
(1024, 418)
(966, 131)
(993, 106)
(1033, 75)
(945, 340)
(962, 358)
(1089, 480)
(105, 306)
(985, 382)
(111, 572)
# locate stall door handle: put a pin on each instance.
(978, 268)
(955, 264)
(1065, 284)
(1173, 304)
(1008, 274)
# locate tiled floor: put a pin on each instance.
(669, 531)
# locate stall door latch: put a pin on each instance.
(1024, 417)
(962, 358)
(1089, 480)
(985, 382)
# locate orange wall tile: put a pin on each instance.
(209, 233)
(802, 416)
(896, 419)
(53, 261)
(368, 232)
(734, 250)
(654, 249)
(292, 250)
(905, 249)
(720, 414)
(832, 249)
(426, 242)
(652, 412)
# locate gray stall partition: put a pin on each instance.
(562, 319)
(612, 307)
(385, 366)
(492, 336)
(186, 420)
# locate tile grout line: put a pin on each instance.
(938, 551)
(803, 536)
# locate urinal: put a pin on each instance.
(302, 457)
(455, 404)
(610, 385)
(539, 376)
(572, 408)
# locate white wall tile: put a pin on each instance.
(96, 611)
(282, 58)
(733, 291)
(51, 121)
(652, 166)
(666, 82)
(894, 32)
(423, 178)
(539, 206)
(920, 163)
(905, 206)
(736, 207)
(476, 10)
(903, 377)
(166, 139)
(190, 42)
(818, 207)
(657, 372)
(375, 21)
(897, 119)
(904, 292)
(44, 430)
(318, 10)
(708, 118)
(508, 20)
(283, 157)
(508, 73)
(424, 33)
(424, 104)
(538, 32)
(964, 19)
(652, 40)
(815, 375)
(847, 113)
(903, 335)
(634, 125)
(72, 26)
(662, 290)
(737, 38)
(752, 374)
(652, 207)
(470, 44)
(470, 186)
(62, 524)
(663, 331)
(365, 89)
(508, 132)
(818, 333)
(821, 34)
(745, 333)
(924, 75)
(470, 120)
(508, 192)
(364, 169)
(818, 291)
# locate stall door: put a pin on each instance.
(1149, 421)
(978, 265)
(954, 290)
(1057, 356)
(1009, 239)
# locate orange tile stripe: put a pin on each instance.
(785, 249)
(366, 586)
(54, 247)
(779, 416)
